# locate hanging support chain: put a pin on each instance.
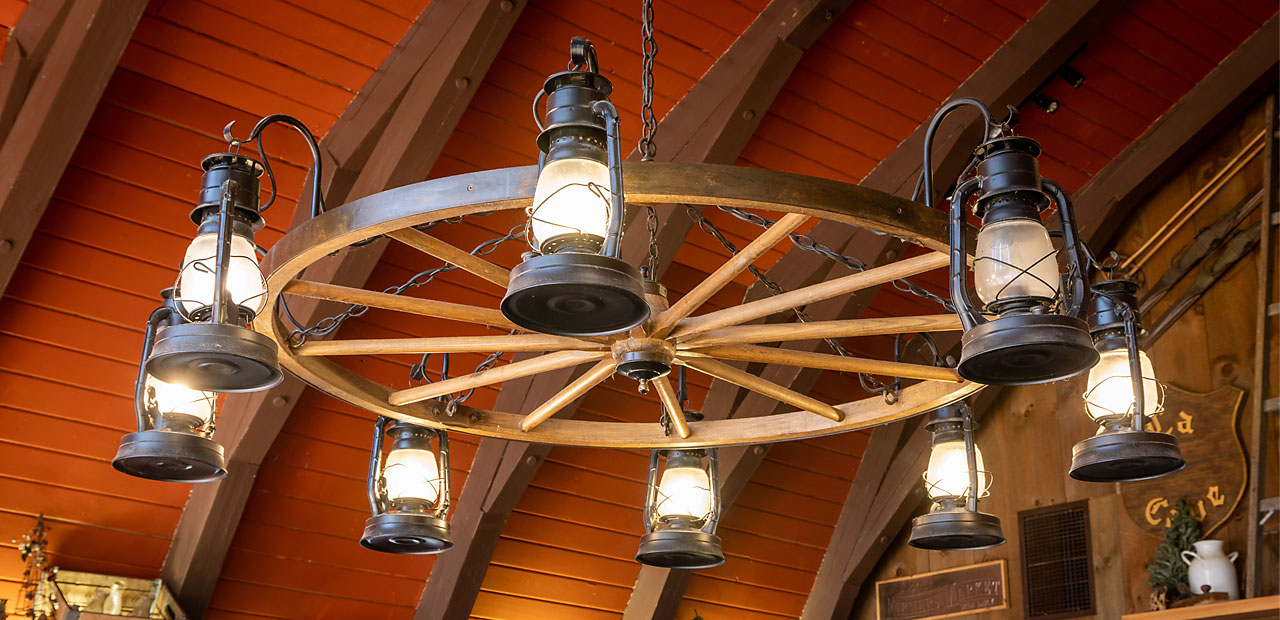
(647, 147)
(868, 382)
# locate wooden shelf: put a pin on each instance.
(1264, 607)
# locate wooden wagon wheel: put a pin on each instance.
(693, 341)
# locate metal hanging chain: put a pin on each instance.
(328, 324)
(809, 244)
(868, 382)
(648, 147)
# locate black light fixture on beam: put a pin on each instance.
(955, 480)
(408, 491)
(1036, 335)
(1121, 385)
(573, 282)
(220, 285)
(173, 442)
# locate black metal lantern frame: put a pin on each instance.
(681, 541)
(1033, 339)
(214, 349)
(407, 525)
(954, 522)
(575, 284)
(1123, 450)
(171, 446)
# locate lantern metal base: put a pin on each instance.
(680, 549)
(1126, 456)
(947, 530)
(1026, 349)
(575, 294)
(215, 357)
(407, 533)
(170, 457)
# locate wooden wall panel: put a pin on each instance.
(1028, 433)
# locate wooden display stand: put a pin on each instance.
(1264, 607)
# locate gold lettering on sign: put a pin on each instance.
(1199, 517)
(1184, 423)
(1215, 496)
(1154, 507)
(1155, 424)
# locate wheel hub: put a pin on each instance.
(643, 359)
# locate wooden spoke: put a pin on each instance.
(726, 273)
(809, 294)
(848, 328)
(827, 361)
(725, 372)
(399, 303)
(514, 370)
(452, 255)
(669, 400)
(448, 344)
(592, 378)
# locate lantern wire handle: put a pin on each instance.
(141, 410)
(317, 176)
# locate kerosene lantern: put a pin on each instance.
(408, 490)
(955, 480)
(1121, 385)
(175, 423)
(682, 507)
(1035, 336)
(220, 289)
(573, 282)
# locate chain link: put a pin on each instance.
(328, 324)
(649, 50)
(868, 382)
(807, 243)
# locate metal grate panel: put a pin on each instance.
(1057, 561)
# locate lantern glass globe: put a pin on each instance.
(1109, 391)
(244, 278)
(413, 474)
(948, 473)
(176, 398)
(684, 492)
(572, 198)
(1015, 258)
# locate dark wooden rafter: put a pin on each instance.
(859, 542)
(712, 124)
(376, 144)
(1009, 76)
(59, 58)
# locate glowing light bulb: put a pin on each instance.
(244, 277)
(1109, 391)
(948, 471)
(176, 398)
(684, 492)
(412, 473)
(1005, 250)
(572, 197)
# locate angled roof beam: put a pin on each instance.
(1011, 74)
(376, 144)
(711, 124)
(1219, 98)
(59, 58)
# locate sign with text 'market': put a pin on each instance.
(944, 593)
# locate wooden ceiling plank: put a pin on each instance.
(54, 71)
(712, 124)
(376, 144)
(1197, 117)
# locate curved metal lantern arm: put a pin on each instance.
(141, 411)
(376, 502)
(255, 135)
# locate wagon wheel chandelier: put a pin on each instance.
(572, 299)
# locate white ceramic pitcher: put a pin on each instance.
(1207, 566)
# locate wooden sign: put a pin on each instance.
(943, 593)
(1214, 480)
